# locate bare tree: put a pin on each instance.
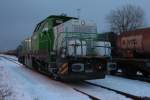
(127, 18)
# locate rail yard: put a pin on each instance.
(74, 50)
(30, 85)
(69, 56)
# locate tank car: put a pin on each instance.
(133, 52)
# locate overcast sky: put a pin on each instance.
(19, 17)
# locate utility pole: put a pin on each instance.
(78, 13)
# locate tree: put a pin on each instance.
(126, 18)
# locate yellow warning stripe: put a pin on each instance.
(64, 71)
(63, 68)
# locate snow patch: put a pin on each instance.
(134, 87)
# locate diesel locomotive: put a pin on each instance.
(66, 48)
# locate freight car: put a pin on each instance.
(110, 37)
(133, 52)
(65, 48)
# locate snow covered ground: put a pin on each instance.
(98, 92)
(134, 87)
(8, 56)
(26, 84)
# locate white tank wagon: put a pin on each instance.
(103, 48)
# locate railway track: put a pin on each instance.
(135, 77)
(141, 78)
(134, 97)
(11, 59)
(90, 96)
(120, 92)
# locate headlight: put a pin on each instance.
(99, 67)
(78, 67)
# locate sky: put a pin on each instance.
(18, 18)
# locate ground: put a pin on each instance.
(26, 84)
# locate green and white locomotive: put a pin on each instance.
(66, 48)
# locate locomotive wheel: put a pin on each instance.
(35, 66)
(113, 72)
(129, 71)
(23, 60)
(56, 77)
(145, 74)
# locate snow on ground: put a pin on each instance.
(8, 56)
(135, 87)
(28, 85)
(99, 92)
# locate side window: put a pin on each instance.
(41, 26)
(45, 27)
(37, 28)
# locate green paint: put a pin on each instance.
(45, 41)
